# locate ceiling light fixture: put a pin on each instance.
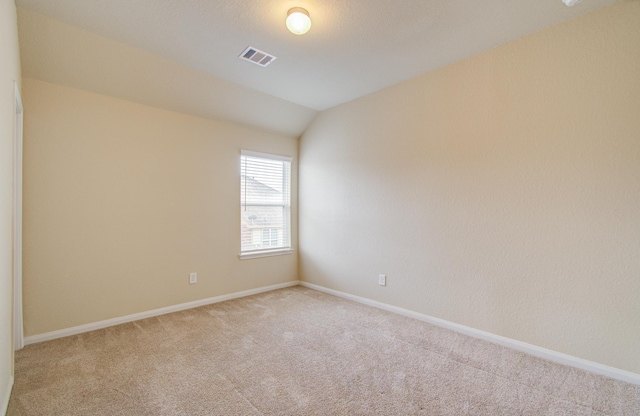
(298, 21)
(571, 2)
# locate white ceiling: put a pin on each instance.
(354, 47)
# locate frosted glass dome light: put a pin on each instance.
(298, 21)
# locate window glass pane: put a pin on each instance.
(265, 203)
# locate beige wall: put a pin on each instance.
(9, 72)
(501, 192)
(122, 201)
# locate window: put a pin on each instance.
(265, 204)
(270, 237)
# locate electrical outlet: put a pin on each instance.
(382, 280)
(193, 278)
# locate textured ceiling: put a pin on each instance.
(355, 47)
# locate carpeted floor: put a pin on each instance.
(297, 351)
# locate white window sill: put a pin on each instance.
(266, 253)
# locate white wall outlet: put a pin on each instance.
(382, 280)
(193, 278)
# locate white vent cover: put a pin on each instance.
(257, 56)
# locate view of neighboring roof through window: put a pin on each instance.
(265, 204)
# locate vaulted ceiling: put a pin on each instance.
(183, 55)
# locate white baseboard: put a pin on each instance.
(148, 314)
(550, 355)
(6, 397)
(547, 354)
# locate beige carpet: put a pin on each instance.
(299, 352)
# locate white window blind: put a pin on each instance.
(265, 203)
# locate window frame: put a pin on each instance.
(286, 205)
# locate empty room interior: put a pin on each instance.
(320, 207)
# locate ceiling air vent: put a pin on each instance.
(257, 56)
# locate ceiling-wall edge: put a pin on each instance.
(60, 53)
